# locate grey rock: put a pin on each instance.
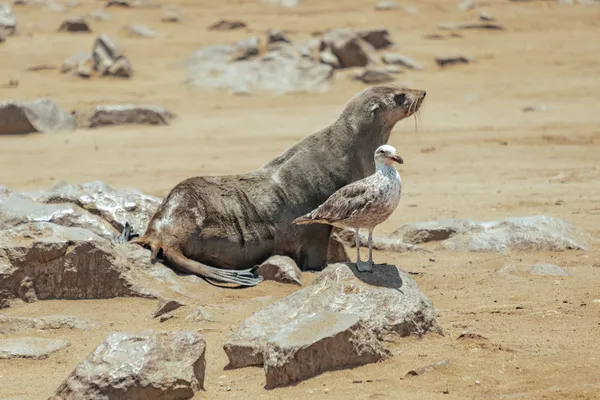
(471, 25)
(74, 62)
(379, 38)
(348, 47)
(141, 31)
(444, 61)
(484, 16)
(399, 59)
(373, 76)
(108, 59)
(530, 233)
(99, 15)
(465, 5)
(171, 15)
(30, 347)
(428, 368)
(313, 344)
(42, 115)
(280, 269)
(198, 314)
(245, 49)
(150, 365)
(119, 3)
(534, 269)
(165, 306)
(535, 108)
(227, 25)
(281, 70)
(121, 114)
(386, 5)
(277, 36)
(9, 325)
(283, 3)
(75, 24)
(327, 57)
(387, 301)
(8, 21)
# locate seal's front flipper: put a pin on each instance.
(243, 277)
(126, 235)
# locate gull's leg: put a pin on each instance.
(362, 266)
(356, 239)
(371, 247)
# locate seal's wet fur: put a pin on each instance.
(220, 227)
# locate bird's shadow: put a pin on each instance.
(382, 275)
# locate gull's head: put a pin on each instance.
(386, 154)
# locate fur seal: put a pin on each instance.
(221, 227)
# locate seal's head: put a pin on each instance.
(382, 107)
(386, 154)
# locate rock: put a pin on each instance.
(83, 71)
(379, 38)
(386, 5)
(152, 365)
(281, 70)
(465, 5)
(535, 108)
(245, 49)
(121, 114)
(141, 31)
(99, 15)
(313, 344)
(387, 301)
(348, 47)
(10, 325)
(30, 347)
(428, 368)
(75, 24)
(535, 269)
(483, 16)
(277, 36)
(118, 3)
(198, 314)
(74, 62)
(373, 76)
(108, 59)
(171, 15)
(471, 25)
(280, 269)
(283, 3)
(399, 59)
(327, 57)
(8, 21)
(165, 306)
(41, 67)
(42, 115)
(444, 61)
(531, 233)
(382, 243)
(227, 25)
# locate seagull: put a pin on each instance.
(365, 203)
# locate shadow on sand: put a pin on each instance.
(382, 275)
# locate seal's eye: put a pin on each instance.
(400, 98)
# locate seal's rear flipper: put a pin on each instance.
(242, 277)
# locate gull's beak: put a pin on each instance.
(398, 159)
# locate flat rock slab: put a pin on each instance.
(387, 301)
(21, 324)
(127, 114)
(531, 233)
(30, 347)
(152, 365)
(42, 115)
(280, 269)
(534, 269)
(313, 344)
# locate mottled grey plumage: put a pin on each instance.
(365, 203)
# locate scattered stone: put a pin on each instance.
(9, 325)
(348, 47)
(245, 49)
(75, 24)
(471, 336)
(153, 365)
(8, 21)
(99, 15)
(374, 76)
(399, 59)
(108, 59)
(534, 108)
(379, 38)
(386, 5)
(30, 347)
(280, 269)
(327, 57)
(42, 115)
(465, 5)
(166, 317)
(531, 233)
(72, 63)
(165, 306)
(313, 344)
(26, 290)
(171, 15)
(277, 36)
(401, 308)
(283, 3)
(428, 368)
(483, 16)
(118, 3)
(199, 314)
(121, 114)
(227, 25)
(470, 25)
(444, 61)
(535, 269)
(141, 31)
(41, 67)
(83, 71)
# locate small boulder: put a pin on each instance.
(327, 57)
(165, 306)
(534, 269)
(74, 62)
(277, 36)
(108, 59)
(348, 47)
(75, 24)
(43, 115)
(120, 114)
(171, 15)
(313, 344)
(8, 21)
(99, 15)
(151, 365)
(280, 269)
(245, 49)
(30, 347)
(386, 5)
(118, 3)
(9, 325)
(399, 59)
(227, 25)
(141, 31)
(465, 5)
(444, 61)
(198, 314)
(374, 76)
(379, 38)
(401, 308)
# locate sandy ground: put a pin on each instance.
(475, 154)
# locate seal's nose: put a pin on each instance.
(424, 94)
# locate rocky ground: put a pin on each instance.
(491, 287)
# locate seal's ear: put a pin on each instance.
(375, 110)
